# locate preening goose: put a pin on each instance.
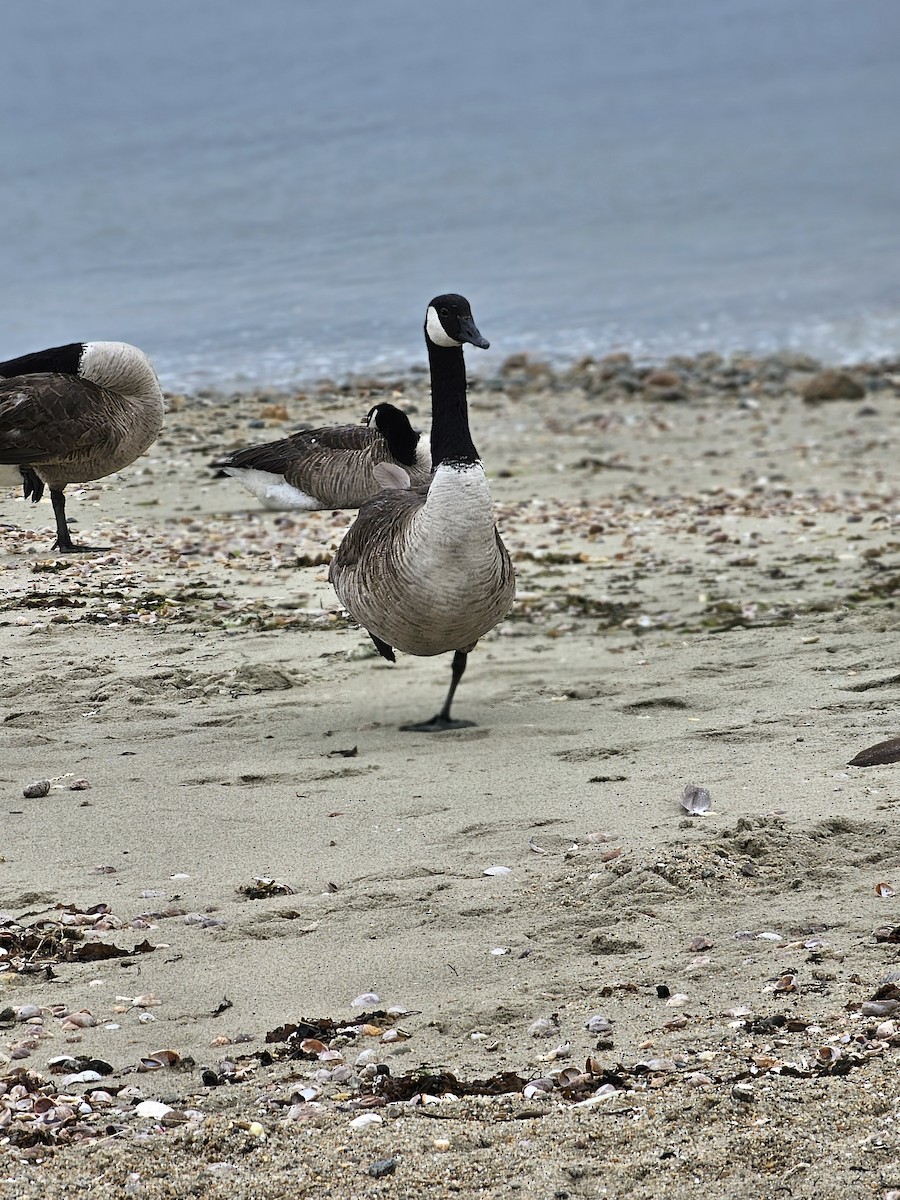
(423, 569)
(332, 467)
(75, 413)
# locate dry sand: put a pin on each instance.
(708, 568)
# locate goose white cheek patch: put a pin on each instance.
(436, 331)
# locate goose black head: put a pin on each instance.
(449, 322)
(394, 427)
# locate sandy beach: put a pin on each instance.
(642, 1000)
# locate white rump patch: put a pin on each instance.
(435, 329)
(390, 475)
(272, 490)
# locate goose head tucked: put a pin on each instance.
(116, 366)
(394, 427)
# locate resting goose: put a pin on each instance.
(75, 413)
(423, 569)
(333, 467)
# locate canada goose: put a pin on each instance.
(333, 467)
(423, 569)
(75, 413)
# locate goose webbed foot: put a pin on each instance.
(437, 724)
(72, 548)
(64, 543)
(443, 720)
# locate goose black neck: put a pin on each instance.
(63, 360)
(451, 441)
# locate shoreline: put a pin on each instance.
(709, 569)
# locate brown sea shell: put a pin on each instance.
(878, 755)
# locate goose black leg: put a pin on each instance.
(64, 543)
(443, 719)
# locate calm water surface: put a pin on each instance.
(274, 190)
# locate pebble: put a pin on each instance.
(382, 1167)
(35, 790)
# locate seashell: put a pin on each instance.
(569, 1075)
(34, 791)
(221, 1039)
(677, 1000)
(598, 1024)
(61, 1062)
(442, 1145)
(147, 1000)
(81, 1077)
(885, 890)
(787, 983)
(764, 1062)
(79, 785)
(538, 1087)
(886, 1030)
(27, 1011)
(743, 1092)
(605, 1092)
(698, 1079)
(695, 800)
(500, 950)
(878, 1008)
(366, 1000)
(153, 1108)
(878, 755)
(334, 1056)
(826, 1055)
(371, 1030)
(701, 943)
(365, 1057)
(159, 1059)
(145, 1018)
(394, 1035)
(366, 1120)
(563, 1050)
(495, 870)
(79, 1020)
(312, 1046)
(678, 1022)
(657, 1065)
(543, 1027)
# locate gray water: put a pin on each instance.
(274, 189)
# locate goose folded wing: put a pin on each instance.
(381, 521)
(281, 456)
(45, 417)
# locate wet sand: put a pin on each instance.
(708, 570)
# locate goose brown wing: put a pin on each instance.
(279, 457)
(44, 417)
(380, 523)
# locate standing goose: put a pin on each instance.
(423, 569)
(333, 467)
(75, 413)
